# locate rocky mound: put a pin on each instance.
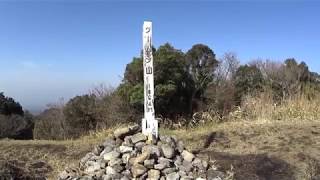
(129, 155)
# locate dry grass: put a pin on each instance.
(58, 154)
(294, 108)
(257, 149)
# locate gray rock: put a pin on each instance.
(126, 173)
(186, 178)
(118, 168)
(205, 165)
(68, 173)
(139, 145)
(86, 158)
(125, 178)
(166, 139)
(127, 155)
(125, 158)
(165, 161)
(168, 170)
(97, 150)
(143, 176)
(174, 138)
(180, 146)
(63, 175)
(186, 166)
(116, 176)
(200, 178)
(317, 177)
(107, 177)
(153, 149)
(182, 173)
(102, 163)
(111, 155)
(125, 149)
(191, 174)
(99, 174)
(148, 163)
(214, 174)
(178, 161)
(110, 170)
(111, 176)
(118, 142)
(167, 151)
(186, 155)
(115, 161)
(139, 137)
(173, 176)
(122, 132)
(127, 141)
(134, 153)
(138, 170)
(198, 163)
(153, 174)
(140, 158)
(106, 150)
(85, 178)
(159, 143)
(160, 166)
(95, 166)
(109, 142)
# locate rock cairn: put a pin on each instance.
(127, 154)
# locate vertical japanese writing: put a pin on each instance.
(150, 125)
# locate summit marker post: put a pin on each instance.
(149, 123)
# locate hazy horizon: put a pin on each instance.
(52, 49)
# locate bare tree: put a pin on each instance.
(101, 90)
(227, 67)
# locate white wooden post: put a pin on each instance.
(149, 123)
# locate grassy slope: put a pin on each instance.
(256, 150)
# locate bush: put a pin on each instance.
(9, 106)
(112, 110)
(79, 113)
(50, 124)
(101, 108)
(248, 80)
(14, 122)
(16, 126)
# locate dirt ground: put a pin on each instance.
(251, 150)
(261, 150)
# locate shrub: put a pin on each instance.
(16, 126)
(50, 124)
(9, 106)
(101, 108)
(112, 110)
(248, 80)
(79, 113)
(14, 122)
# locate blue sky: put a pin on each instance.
(53, 49)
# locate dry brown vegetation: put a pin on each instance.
(259, 140)
(259, 149)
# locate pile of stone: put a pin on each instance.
(128, 154)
